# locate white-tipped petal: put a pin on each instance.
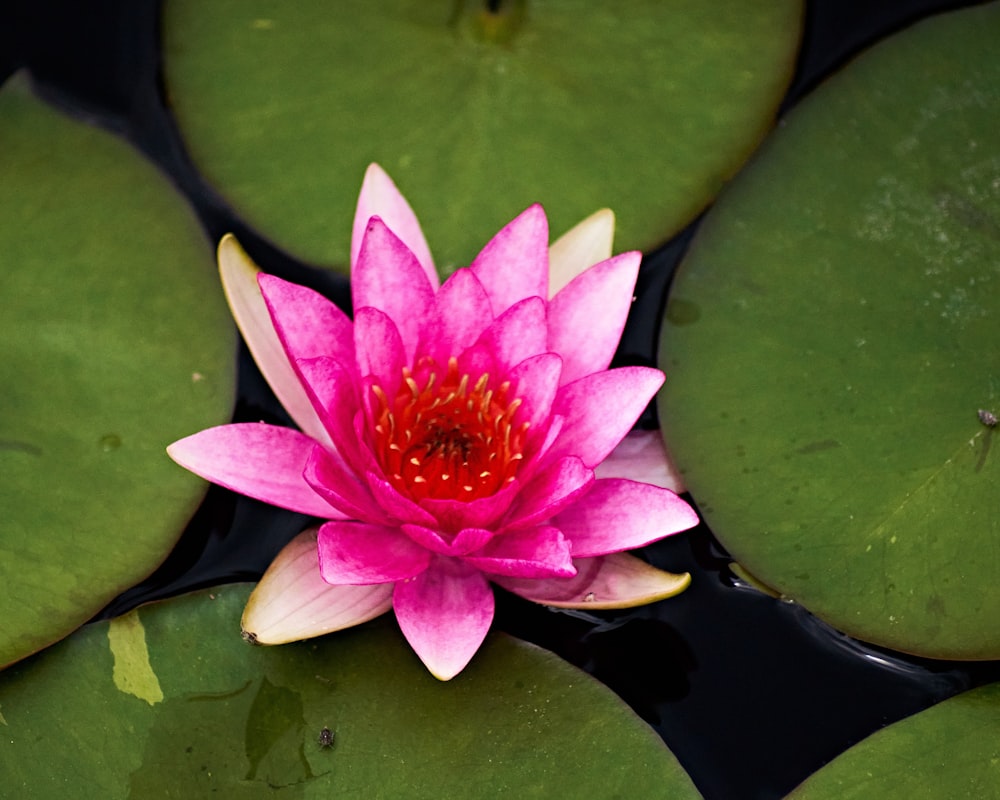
(239, 282)
(618, 580)
(293, 602)
(379, 197)
(582, 246)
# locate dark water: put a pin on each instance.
(751, 693)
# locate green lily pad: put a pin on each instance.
(116, 341)
(646, 107)
(833, 335)
(951, 750)
(169, 701)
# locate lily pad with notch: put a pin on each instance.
(647, 108)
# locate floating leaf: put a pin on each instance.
(950, 750)
(116, 342)
(644, 107)
(833, 335)
(169, 701)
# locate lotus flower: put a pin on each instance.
(449, 434)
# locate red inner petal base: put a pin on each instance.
(450, 440)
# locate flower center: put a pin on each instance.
(451, 439)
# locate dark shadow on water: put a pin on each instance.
(751, 693)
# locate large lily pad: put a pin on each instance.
(168, 701)
(833, 335)
(951, 750)
(116, 341)
(646, 107)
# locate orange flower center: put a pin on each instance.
(450, 439)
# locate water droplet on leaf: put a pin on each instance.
(110, 442)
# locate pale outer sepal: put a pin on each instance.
(641, 456)
(587, 243)
(239, 282)
(617, 580)
(293, 602)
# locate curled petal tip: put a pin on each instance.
(618, 580)
(230, 244)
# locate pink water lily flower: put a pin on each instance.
(449, 434)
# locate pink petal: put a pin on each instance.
(379, 346)
(400, 508)
(616, 515)
(535, 382)
(600, 409)
(339, 486)
(454, 515)
(552, 433)
(358, 553)
(388, 277)
(477, 360)
(540, 552)
(293, 602)
(519, 333)
(308, 324)
(613, 581)
(515, 263)
(582, 246)
(444, 613)
(265, 462)
(641, 456)
(549, 491)
(586, 319)
(239, 282)
(465, 541)
(332, 389)
(463, 313)
(380, 198)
